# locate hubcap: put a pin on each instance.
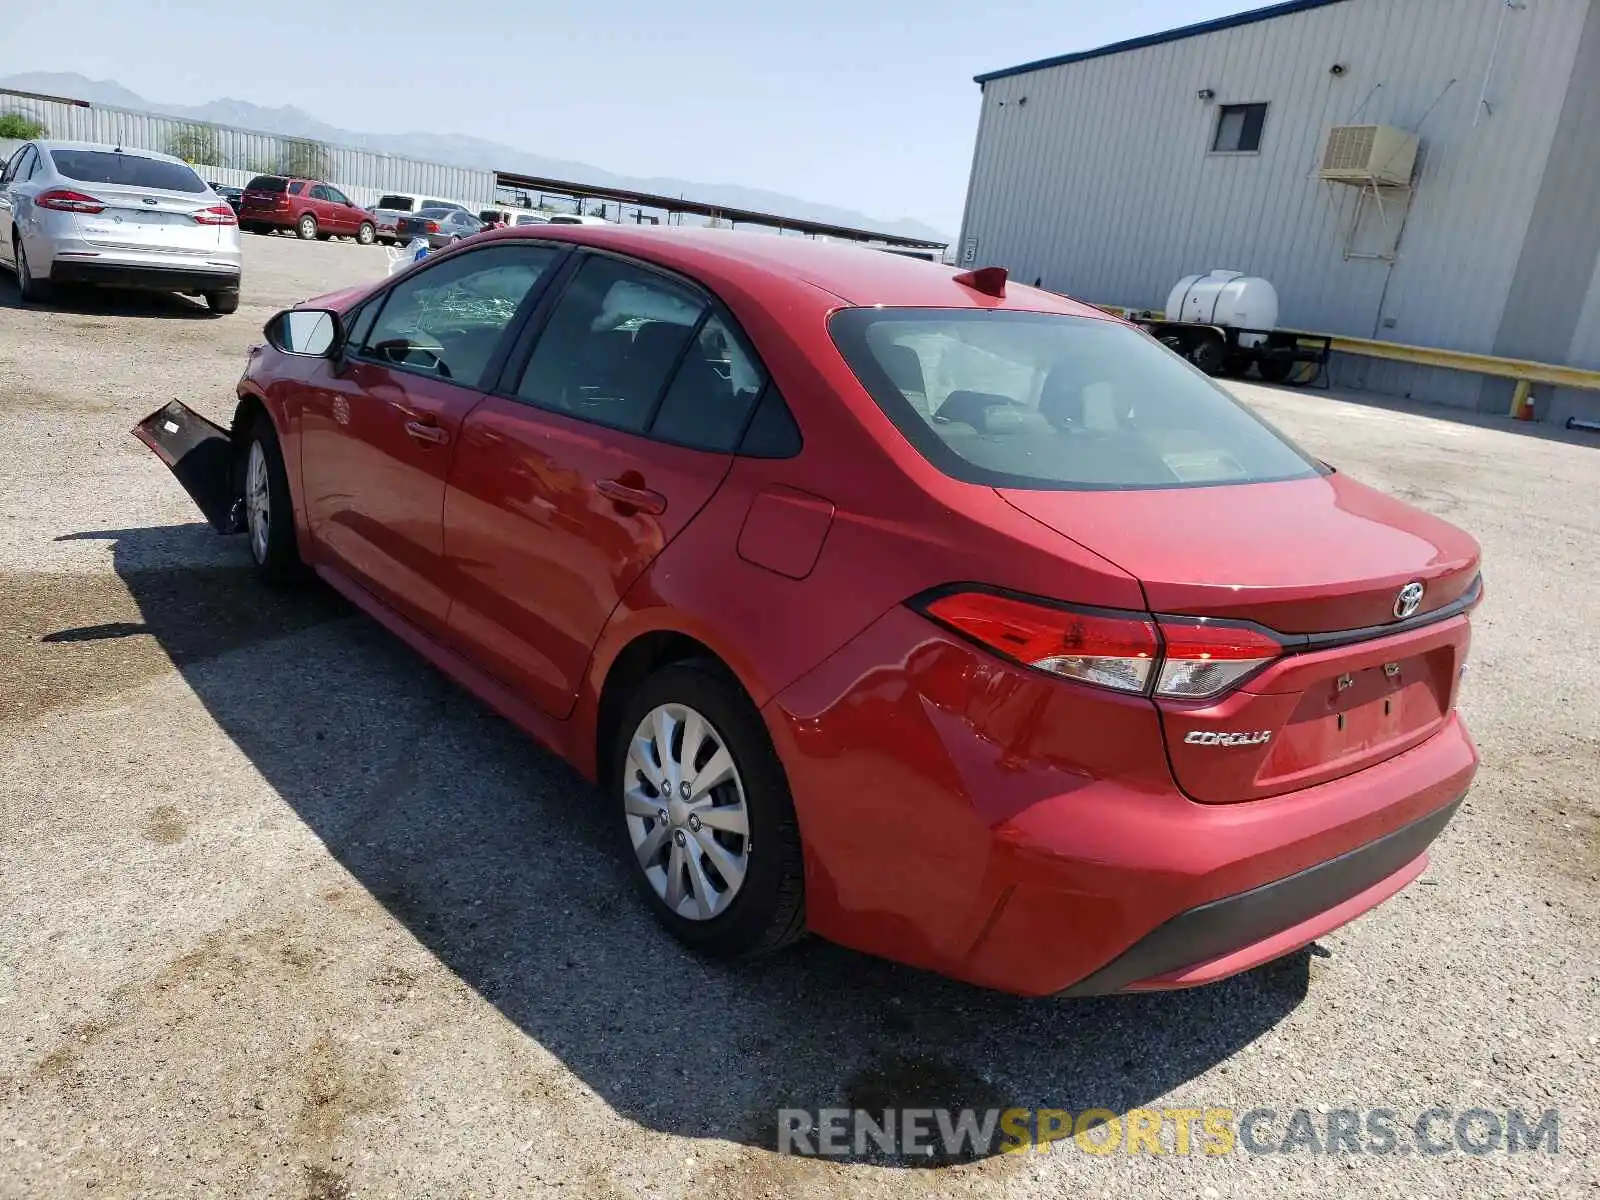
(686, 813)
(258, 502)
(308, 227)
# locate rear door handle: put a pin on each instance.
(424, 432)
(639, 499)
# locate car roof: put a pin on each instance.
(107, 148)
(854, 274)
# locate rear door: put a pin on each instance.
(15, 170)
(381, 425)
(570, 482)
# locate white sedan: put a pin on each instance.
(79, 213)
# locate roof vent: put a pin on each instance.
(991, 281)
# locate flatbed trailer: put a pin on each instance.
(1278, 355)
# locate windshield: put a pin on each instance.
(126, 170)
(1039, 400)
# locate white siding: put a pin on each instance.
(1102, 184)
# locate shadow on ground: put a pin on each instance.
(106, 302)
(507, 867)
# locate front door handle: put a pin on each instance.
(425, 432)
(632, 499)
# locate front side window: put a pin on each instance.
(611, 343)
(335, 195)
(1040, 400)
(1239, 128)
(126, 170)
(447, 320)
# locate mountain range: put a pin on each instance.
(458, 150)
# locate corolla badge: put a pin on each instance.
(1207, 738)
(1409, 600)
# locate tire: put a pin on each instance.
(270, 528)
(387, 241)
(306, 227)
(1275, 370)
(224, 302)
(765, 909)
(1209, 352)
(32, 289)
(367, 234)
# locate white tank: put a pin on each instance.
(1226, 298)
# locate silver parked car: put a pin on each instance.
(441, 226)
(74, 212)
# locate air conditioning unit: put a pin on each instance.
(1369, 154)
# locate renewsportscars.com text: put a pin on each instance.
(956, 1133)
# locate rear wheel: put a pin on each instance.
(366, 235)
(268, 510)
(1209, 352)
(29, 286)
(307, 228)
(223, 302)
(712, 840)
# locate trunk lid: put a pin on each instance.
(1321, 562)
(149, 220)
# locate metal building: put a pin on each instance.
(1112, 173)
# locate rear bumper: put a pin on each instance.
(145, 277)
(989, 823)
(1212, 941)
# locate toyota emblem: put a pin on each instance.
(1408, 601)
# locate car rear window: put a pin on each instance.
(394, 203)
(126, 170)
(267, 183)
(1041, 400)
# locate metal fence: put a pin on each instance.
(230, 155)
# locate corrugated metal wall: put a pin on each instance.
(1103, 185)
(242, 153)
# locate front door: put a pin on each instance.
(567, 487)
(381, 424)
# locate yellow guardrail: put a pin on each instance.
(1525, 372)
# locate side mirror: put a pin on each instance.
(308, 332)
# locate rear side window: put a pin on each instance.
(126, 170)
(611, 343)
(709, 402)
(1040, 400)
(395, 203)
(267, 183)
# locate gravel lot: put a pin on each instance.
(282, 912)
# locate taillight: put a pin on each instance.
(217, 214)
(1181, 658)
(1202, 658)
(432, 227)
(63, 200)
(1107, 649)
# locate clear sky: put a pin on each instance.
(865, 103)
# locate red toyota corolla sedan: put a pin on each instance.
(949, 619)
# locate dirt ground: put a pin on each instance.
(283, 912)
